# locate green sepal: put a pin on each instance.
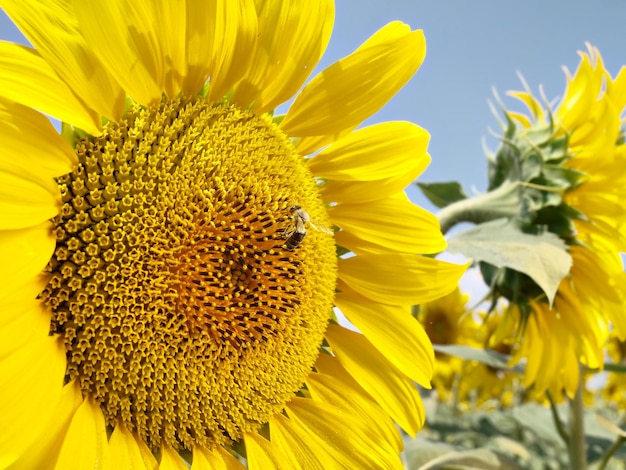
(558, 220)
(504, 165)
(204, 91)
(442, 194)
(539, 136)
(531, 164)
(561, 177)
(556, 150)
(489, 357)
(278, 118)
(73, 134)
(615, 367)
(533, 200)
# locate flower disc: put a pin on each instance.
(184, 312)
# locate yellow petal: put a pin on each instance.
(394, 391)
(53, 30)
(219, 43)
(19, 309)
(376, 152)
(171, 18)
(596, 133)
(399, 279)
(33, 154)
(264, 455)
(587, 332)
(215, 459)
(616, 89)
(30, 140)
(581, 93)
(297, 446)
(343, 391)
(364, 191)
(357, 86)
(21, 297)
(24, 252)
(128, 452)
(32, 366)
(293, 35)
(593, 276)
(85, 444)
(171, 460)
(393, 224)
(533, 105)
(28, 79)
(125, 36)
(43, 453)
(570, 373)
(522, 119)
(548, 371)
(308, 145)
(25, 199)
(348, 439)
(394, 332)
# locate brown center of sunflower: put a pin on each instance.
(439, 327)
(184, 311)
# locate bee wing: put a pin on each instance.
(320, 227)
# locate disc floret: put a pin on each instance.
(182, 313)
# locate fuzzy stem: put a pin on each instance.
(557, 420)
(500, 202)
(576, 446)
(610, 451)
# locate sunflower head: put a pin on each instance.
(173, 255)
(548, 155)
(613, 390)
(556, 187)
(532, 161)
(447, 321)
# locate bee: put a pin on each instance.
(296, 235)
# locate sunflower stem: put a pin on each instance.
(610, 451)
(576, 445)
(500, 202)
(557, 420)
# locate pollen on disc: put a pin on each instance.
(182, 312)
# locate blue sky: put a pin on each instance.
(472, 47)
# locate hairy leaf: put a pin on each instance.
(542, 257)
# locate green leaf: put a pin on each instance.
(419, 451)
(542, 257)
(615, 367)
(510, 447)
(488, 357)
(538, 419)
(611, 427)
(475, 459)
(442, 194)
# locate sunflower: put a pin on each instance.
(589, 216)
(169, 277)
(470, 384)
(614, 390)
(481, 385)
(447, 321)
